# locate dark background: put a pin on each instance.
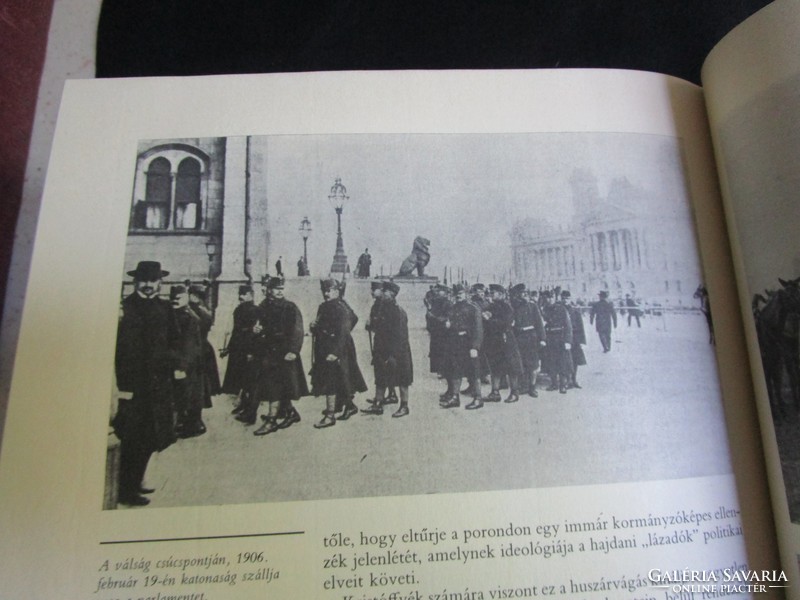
(181, 37)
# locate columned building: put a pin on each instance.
(632, 241)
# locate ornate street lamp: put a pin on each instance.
(337, 198)
(305, 231)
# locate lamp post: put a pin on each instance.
(305, 231)
(337, 198)
(211, 251)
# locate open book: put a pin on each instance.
(654, 456)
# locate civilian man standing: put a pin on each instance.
(145, 370)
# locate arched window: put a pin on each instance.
(187, 195)
(170, 189)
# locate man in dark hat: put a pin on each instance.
(464, 327)
(604, 314)
(500, 344)
(391, 355)
(280, 378)
(145, 370)
(335, 373)
(578, 337)
(531, 339)
(279, 267)
(239, 346)
(191, 391)
(558, 329)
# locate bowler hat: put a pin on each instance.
(245, 289)
(565, 294)
(148, 270)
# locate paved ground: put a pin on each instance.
(648, 410)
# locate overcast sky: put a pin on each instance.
(462, 192)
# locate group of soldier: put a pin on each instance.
(506, 338)
(166, 368)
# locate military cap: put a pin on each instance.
(245, 289)
(274, 282)
(197, 291)
(177, 290)
(442, 287)
(603, 294)
(546, 294)
(391, 286)
(496, 287)
(518, 289)
(477, 286)
(458, 287)
(565, 294)
(329, 284)
(148, 270)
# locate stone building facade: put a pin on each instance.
(632, 241)
(199, 206)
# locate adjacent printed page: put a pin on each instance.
(752, 83)
(150, 453)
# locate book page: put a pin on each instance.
(591, 462)
(752, 83)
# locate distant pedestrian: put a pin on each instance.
(279, 267)
(603, 315)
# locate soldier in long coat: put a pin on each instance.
(578, 338)
(500, 344)
(197, 303)
(603, 316)
(239, 345)
(391, 356)
(464, 326)
(558, 328)
(145, 372)
(278, 339)
(478, 297)
(335, 373)
(438, 305)
(531, 338)
(191, 391)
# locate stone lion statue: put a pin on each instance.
(418, 259)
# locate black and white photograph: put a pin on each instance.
(309, 317)
(761, 165)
